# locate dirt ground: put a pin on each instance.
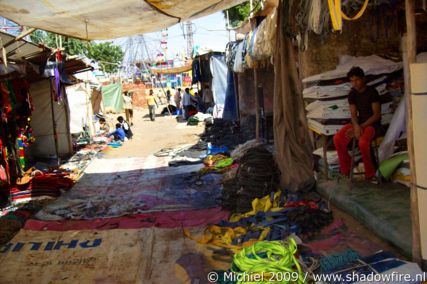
(165, 131)
(152, 136)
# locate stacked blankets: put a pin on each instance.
(42, 185)
(329, 109)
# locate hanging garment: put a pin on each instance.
(58, 85)
(238, 60)
(12, 96)
(4, 90)
(21, 143)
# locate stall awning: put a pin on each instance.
(18, 50)
(175, 70)
(107, 19)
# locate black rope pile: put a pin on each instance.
(308, 221)
(257, 176)
(226, 133)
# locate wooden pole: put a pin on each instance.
(55, 132)
(411, 50)
(22, 35)
(256, 104)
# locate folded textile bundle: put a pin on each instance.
(330, 110)
(44, 184)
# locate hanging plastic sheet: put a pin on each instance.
(112, 97)
(238, 60)
(230, 106)
(219, 83)
(397, 129)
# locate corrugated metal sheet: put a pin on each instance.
(19, 49)
(106, 19)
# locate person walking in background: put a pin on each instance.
(188, 103)
(207, 98)
(177, 98)
(127, 98)
(168, 96)
(152, 103)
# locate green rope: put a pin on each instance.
(266, 257)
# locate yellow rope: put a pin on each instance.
(337, 15)
(358, 15)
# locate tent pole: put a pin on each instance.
(410, 46)
(256, 104)
(67, 121)
(55, 134)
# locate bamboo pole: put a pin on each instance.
(256, 104)
(411, 49)
(55, 131)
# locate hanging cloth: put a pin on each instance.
(21, 143)
(57, 84)
(4, 90)
(12, 95)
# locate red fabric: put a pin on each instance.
(292, 204)
(169, 219)
(341, 142)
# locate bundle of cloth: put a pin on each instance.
(41, 185)
(328, 91)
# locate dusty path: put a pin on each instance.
(150, 137)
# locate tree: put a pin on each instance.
(71, 46)
(108, 55)
(240, 13)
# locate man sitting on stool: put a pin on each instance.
(365, 111)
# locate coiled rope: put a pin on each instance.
(266, 257)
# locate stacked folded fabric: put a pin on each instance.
(330, 109)
(43, 185)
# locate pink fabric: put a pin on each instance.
(341, 142)
(169, 219)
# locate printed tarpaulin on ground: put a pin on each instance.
(111, 256)
(112, 98)
(167, 219)
(134, 186)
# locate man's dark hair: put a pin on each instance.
(179, 89)
(120, 119)
(356, 72)
(187, 90)
(102, 120)
(118, 125)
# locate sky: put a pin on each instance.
(209, 31)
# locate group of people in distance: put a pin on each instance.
(190, 105)
(122, 132)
